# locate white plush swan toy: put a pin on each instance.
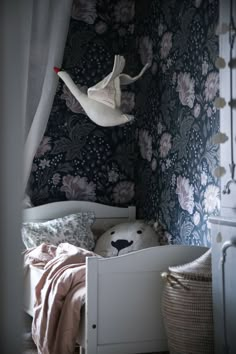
(102, 101)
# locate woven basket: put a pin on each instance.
(187, 307)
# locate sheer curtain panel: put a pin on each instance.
(48, 32)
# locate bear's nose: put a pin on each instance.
(121, 244)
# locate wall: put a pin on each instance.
(176, 117)
(164, 161)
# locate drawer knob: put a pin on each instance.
(219, 237)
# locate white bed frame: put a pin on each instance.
(123, 298)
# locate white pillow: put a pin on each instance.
(74, 229)
(125, 238)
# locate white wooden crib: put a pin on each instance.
(123, 294)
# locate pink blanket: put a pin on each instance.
(60, 294)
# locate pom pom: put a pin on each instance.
(222, 28)
(219, 138)
(219, 102)
(56, 69)
(219, 171)
(220, 63)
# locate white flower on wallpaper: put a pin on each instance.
(124, 11)
(113, 176)
(100, 27)
(197, 110)
(145, 50)
(44, 163)
(123, 192)
(198, 3)
(165, 145)
(185, 88)
(185, 191)
(44, 146)
(166, 44)
(84, 10)
(78, 188)
(204, 67)
(196, 218)
(211, 86)
(154, 164)
(71, 102)
(145, 144)
(127, 101)
(211, 198)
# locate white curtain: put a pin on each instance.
(49, 26)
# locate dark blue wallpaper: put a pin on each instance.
(176, 117)
(163, 161)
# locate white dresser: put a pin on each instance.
(224, 277)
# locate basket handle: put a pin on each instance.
(172, 280)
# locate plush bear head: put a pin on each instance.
(126, 237)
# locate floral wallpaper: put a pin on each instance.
(78, 160)
(176, 117)
(163, 161)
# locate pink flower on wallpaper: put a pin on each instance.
(185, 88)
(71, 101)
(145, 144)
(84, 10)
(78, 188)
(209, 112)
(166, 44)
(204, 178)
(43, 147)
(123, 192)
(211, 86)
(56, 178)
(185, 194)
(165, 145)
(145, 50)
(124, 11)
(211, 198)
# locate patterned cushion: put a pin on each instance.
(74, 228)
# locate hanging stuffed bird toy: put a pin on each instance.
(102, 101)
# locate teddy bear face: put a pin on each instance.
(125, 238)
